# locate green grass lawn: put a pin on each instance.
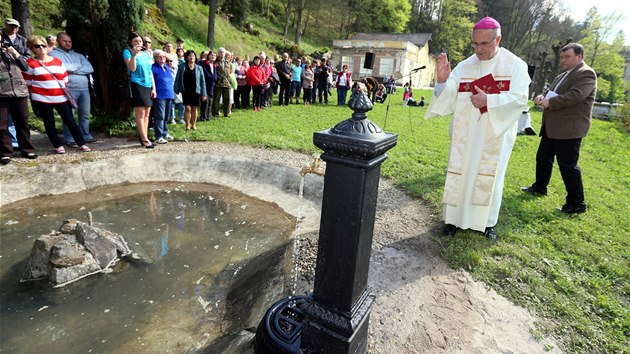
(573, 271)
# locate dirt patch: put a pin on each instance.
(423, 306)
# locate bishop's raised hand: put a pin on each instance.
(443, 68)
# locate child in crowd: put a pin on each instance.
(381, 94)
(407, 94)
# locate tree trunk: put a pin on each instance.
(20, 12)
(298, 21)
(305, 25)
(211, 20)
(160, 5)
(287, 19)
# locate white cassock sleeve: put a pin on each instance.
(505, 109)
(444, 96)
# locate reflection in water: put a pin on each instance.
(191, 233)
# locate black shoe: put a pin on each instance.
(533, 190)
(5, 160)
(30, 155)
(490, 234)
(72, 145)
(147, 144)
(529, 131)
(450, 229)
(92, 141)
(572, 208)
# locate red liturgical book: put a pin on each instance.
(487, 84)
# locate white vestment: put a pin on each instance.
(480, 143)
(524, 122)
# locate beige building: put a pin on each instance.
(394, 54)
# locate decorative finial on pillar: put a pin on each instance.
(360, 103)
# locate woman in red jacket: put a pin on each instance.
(344, 81)
(256, 78)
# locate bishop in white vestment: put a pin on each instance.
(483, 129)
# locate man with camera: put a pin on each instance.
(13, 93)
(11, 37)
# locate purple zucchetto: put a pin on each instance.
(487, 23)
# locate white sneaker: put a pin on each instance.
(169, 137)
(161, 141)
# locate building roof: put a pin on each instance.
(419, 39)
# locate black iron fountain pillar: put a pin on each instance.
(337, 314)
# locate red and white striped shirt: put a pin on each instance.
(42, 84)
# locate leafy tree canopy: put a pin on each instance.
(455, 28)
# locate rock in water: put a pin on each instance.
(76, 250)
(61, 275)
(67, 254)
(38, 265)
(101, 247)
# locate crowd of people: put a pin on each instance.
(212, 84)
(166, 86)
(186, 87)
(53, 78)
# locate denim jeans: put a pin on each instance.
(180, 109)
(170, 110)
(83, 101)
(342, 92)
(160, 117)
(296, 86)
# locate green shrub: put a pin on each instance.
(237, 11)
(319, 53)
(623, 116)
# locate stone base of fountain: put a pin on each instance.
(74, 252)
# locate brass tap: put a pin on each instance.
(313, 168)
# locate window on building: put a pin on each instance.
(346, 61)
(386, 66)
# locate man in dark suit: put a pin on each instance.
(284, 73)
(566, 120)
